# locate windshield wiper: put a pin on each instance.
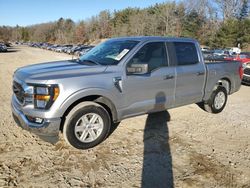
(91, 61)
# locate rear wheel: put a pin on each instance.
(87, 125)
(217, 101)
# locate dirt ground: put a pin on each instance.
(182, 147)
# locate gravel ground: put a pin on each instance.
(182, 147)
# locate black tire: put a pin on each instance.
(75, 115)
(210, 105)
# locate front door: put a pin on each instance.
(154, 90)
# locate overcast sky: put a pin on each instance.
(28, 12)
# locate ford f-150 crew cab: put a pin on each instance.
(118, 79)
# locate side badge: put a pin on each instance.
(118, 83)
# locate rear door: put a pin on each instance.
(190, 71)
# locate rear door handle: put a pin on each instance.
(200, 73)
(168, 77)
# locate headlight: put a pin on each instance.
(244, 65)
(41, 96)
(45, 96)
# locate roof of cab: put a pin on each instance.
(153, 38)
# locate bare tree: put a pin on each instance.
(104, 24)
(168, 16)
(138, 23)
(80, 33)
(229, 8)
(205, 8)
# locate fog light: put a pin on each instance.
(34, 119)
(38, 120)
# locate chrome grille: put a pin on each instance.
(247, 71)
(18, 91)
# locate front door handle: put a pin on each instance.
(168, 77)
(200, 73)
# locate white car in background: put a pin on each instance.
(233, 50)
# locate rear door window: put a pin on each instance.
(186, 53)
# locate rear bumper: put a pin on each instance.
(49, 127)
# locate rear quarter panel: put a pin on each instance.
(216, 71)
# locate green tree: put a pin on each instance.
(192, 26)
(24, 34)
(226, 35)
(243, 34)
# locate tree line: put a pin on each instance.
(215, 23)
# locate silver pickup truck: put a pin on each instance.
(118, 79)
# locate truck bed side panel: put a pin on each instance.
(216, 71)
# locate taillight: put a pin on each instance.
(241, 71)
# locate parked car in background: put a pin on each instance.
(246, 75)
(245, 60)
(81, 48)
(7, 44)
(76, 50)
(71, 50)
(59, 48)
(241, 58)
(3, 48)
(205, 48)
(207, 55)
(50, 47)
(233, 50)
(219, 52)
(245, 53)
(85, 50)
(66, 47)
(118, 79)
(218, 55)
(54, 47)
(45, 45)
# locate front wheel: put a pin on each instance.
(87, 125)
(217, 101)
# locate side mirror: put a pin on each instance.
(137, 69)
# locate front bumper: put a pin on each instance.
(49, 127)
(246, 79)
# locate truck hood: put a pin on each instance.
(56, 70)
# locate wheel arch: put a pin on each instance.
(100, 99)
(225, 82)
(212, 85)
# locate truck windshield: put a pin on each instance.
(110, 52)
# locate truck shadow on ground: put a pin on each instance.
(157, 161)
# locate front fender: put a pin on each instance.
(85, 93)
